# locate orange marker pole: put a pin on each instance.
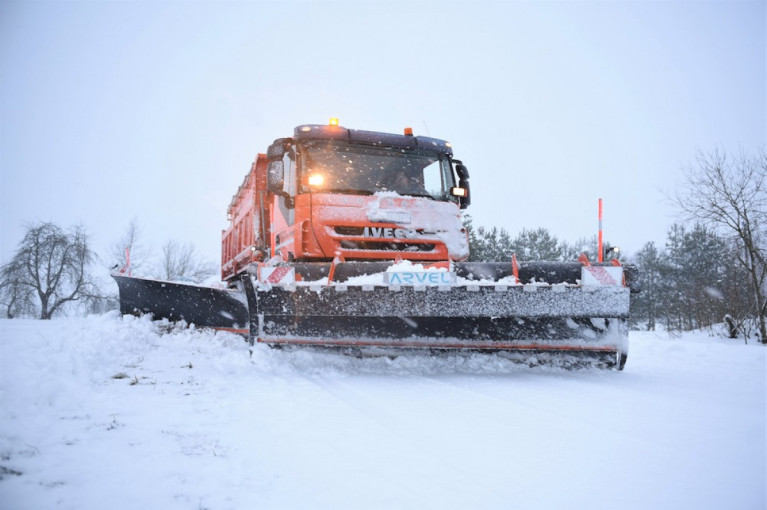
(600, 251)
(515, 267)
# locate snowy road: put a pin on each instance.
(107, 411)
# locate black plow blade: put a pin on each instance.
(552, 320)
(202, 306)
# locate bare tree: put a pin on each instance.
(49, 270)
(128, 252)
(16, 298)
(730, 194)
(182, 263)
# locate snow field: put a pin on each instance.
(134, 414)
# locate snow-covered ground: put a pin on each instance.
(111, 412)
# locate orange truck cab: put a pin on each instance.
(330, 191)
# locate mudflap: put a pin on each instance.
(531, 321)
(218, 308)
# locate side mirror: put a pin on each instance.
(463, 182)
(465, 200)
(275, 177)
(275, 181)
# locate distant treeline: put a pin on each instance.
(694, 281)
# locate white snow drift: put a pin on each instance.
(123, 413)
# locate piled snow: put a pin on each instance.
(126, 413)
(407, 266)
(389, 213)
(439, 219)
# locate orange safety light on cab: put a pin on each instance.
(333, 121)
(408, 131)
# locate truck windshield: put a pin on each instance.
(342, 168)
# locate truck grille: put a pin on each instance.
(360, 231)
(387, 245)
(380, 239)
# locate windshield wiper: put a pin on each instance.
(416, 194)
(350, 191)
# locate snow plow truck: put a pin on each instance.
(353, 240)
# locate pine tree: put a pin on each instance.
(537, 244)
(694, 291)
(647, 305)
(487, 245)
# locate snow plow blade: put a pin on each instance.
(202, 306)
(484, 308)
(564, 319)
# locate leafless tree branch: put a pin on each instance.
(730, 195)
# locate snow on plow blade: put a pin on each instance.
(565, 319)
(201, 306)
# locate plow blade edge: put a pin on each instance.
(552, 319)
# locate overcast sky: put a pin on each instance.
(155, 110)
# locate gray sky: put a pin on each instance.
(154, 110)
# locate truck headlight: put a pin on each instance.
(316, 180)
